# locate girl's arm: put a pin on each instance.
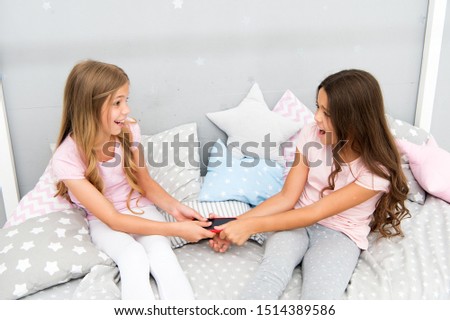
(95, 202)
(349, 196)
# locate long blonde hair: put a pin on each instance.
(357, 113)
(89, 85)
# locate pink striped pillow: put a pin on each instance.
(39, 201)
(292, 108)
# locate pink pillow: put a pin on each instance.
(39, 201)
(290, 107)
(429, 165)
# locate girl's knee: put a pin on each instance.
(132, 254)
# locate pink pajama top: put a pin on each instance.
(67, 164)
(353, 222)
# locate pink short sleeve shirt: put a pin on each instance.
(68, 165)
(355, 221)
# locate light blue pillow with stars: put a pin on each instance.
(250, 180)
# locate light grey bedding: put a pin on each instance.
(416, 266)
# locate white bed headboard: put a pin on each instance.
(8, 181)
(430, 63)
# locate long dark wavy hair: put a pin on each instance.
(356, 108)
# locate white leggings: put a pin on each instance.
(137, 256)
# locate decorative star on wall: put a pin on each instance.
(46, 5)
(200, 61)
(357, 48)
(178, 4)
(246, 21)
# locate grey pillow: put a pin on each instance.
(404, 131)
(230, 208)
(45, 251)
(173, 164)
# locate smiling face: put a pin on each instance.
(323, 120)
(114, 113)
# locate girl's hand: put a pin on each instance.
(194, 231)
(236, 232)
(184, 213)
(219, 245)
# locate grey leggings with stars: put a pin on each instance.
(328, 259)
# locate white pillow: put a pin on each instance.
(176, 167)
(250, 123)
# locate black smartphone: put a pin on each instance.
(217, 222)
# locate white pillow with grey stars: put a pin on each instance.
(45, 251)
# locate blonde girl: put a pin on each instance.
(346, 181)
(97, 167)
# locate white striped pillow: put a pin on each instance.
(230, 208)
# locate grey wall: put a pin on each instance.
(199, 56)
(441, 113)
